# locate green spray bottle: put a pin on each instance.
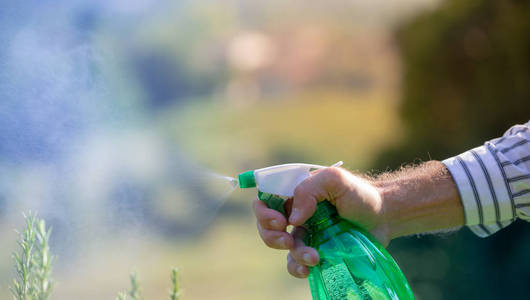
(353, 265)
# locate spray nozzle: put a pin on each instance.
(247, 180)
(278, 180)
(277, 183)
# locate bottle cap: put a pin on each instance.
(247, 180)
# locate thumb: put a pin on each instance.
(317, 187)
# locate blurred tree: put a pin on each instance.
(466, 77)
(466, 80)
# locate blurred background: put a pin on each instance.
(120, 119)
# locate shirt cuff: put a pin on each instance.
(480, 182)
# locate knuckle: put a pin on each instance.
(333, 173)
(332, 177)
(262, 220)
(259, 214)
(275, 239)
(269, 222)
(267, 238)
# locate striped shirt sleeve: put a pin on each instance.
(494, 181)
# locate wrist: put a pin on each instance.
(392, 196)
(418, 200)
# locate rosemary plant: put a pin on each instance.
(33, 262)
(121, 296)
(44, 262)
(136, 291)
(33, 266)
(174, 293)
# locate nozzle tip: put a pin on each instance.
(247, 180)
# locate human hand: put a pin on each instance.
(356, 199)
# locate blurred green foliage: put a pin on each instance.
(466, 80)
(466, 77)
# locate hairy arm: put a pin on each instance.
(420, 199)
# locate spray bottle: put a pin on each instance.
(353, 265)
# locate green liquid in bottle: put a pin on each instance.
(352, 266)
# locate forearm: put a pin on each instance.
(420, 199)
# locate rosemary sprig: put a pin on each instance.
(33, 262)
(43, 262)
(136, 291)
(174, 293)
(121, 296)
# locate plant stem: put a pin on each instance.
(121, 296)
(174, 293)
(136, 291)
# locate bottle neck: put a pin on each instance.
(325, 216)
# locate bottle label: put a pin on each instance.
(339, 282)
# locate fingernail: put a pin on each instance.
(274, 223)
(295, 215)
(281, 242)
(300, 270)
(307, 258)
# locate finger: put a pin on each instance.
(301, 253)
(296, 269)
(313, 189)
(276, 239)
(268, 218)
